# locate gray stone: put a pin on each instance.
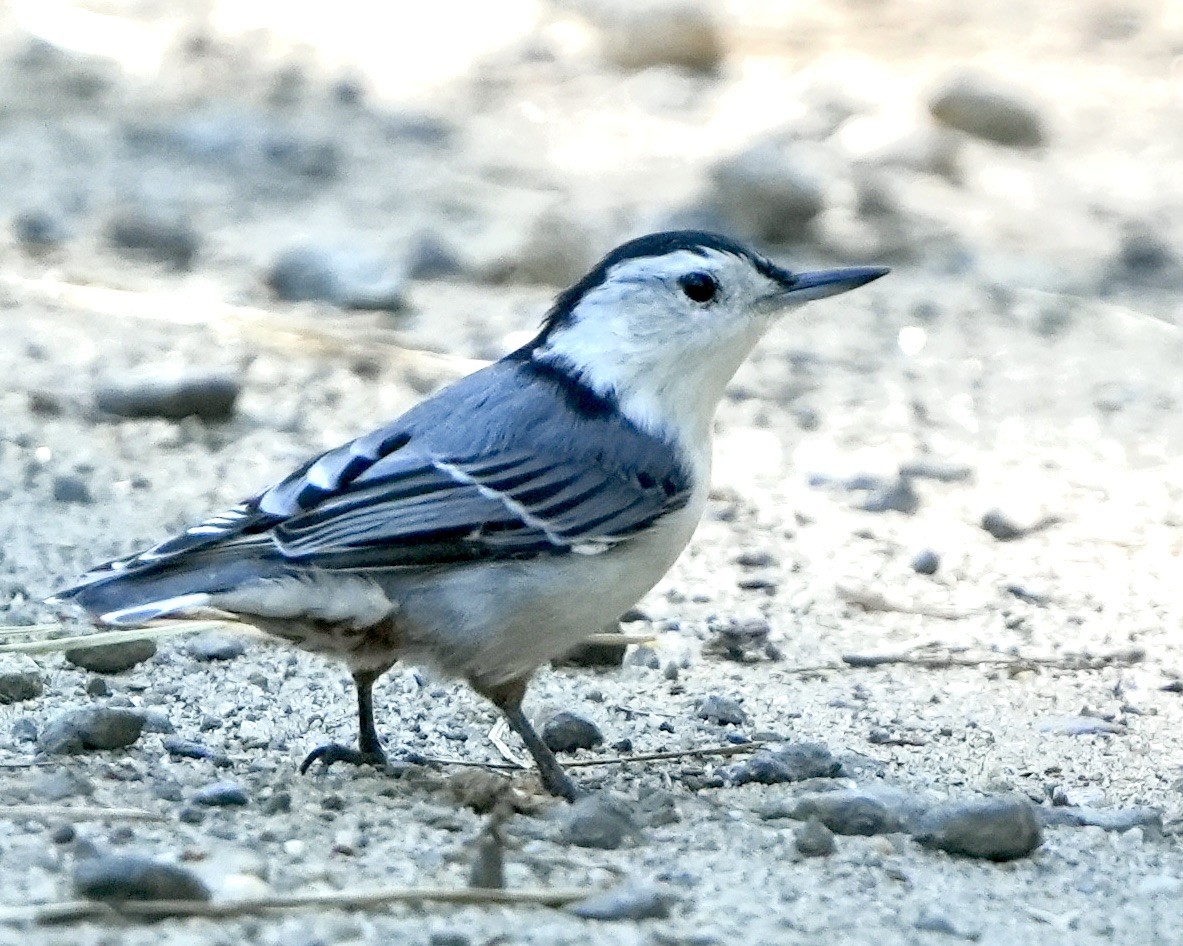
(847, 812)
(20, 680)
(898, 495)
(1082, 726)
(1109, 819)
(722, 710)
(996, 829)
(96, 727)
(214, 646)
(71, 488)
(221, 795)
(315, 159)
(157, 721)
(926, 562)
(189, 749)
(789, 763)
(566, 732)
(638, 34)
(340, 276)
(62, 785)
(770, 192)
(132, 877)
(158, 236)
(40, 230)
(431, 258)
(629, 901)
(814, 839)
(557, 250)
(986, 109)
(112, 658)
(171, 394)
(598, 821)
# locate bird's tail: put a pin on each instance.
(135, 596)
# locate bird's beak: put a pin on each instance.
(805, 287)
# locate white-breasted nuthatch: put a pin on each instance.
(499, 522)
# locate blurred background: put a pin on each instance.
(1016, 143)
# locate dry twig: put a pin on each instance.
(75, 813)
(74, 910)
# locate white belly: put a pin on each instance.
(499, 621)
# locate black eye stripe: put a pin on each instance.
(699, 286)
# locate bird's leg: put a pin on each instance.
(507, 697)
(369, 747)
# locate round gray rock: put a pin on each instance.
(130, 877)
(637, 35)
(112, 658)
(96, 727)
(20, 680)
(210, 395)
(770, 192)
(598, 821)
(986, 109)
(566, 732)
(995, 829)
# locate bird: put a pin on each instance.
(501, 521)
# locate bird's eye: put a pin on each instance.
(699, 287)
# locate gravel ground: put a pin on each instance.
(965, 468)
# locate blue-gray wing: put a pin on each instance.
(511, 462)
(415, 509)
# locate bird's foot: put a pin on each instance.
(560, 784)
(332, 752)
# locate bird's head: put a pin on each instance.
(663, 322)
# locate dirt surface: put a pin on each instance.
(1024, 350)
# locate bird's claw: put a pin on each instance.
(332, 752)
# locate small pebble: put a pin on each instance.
(131, 877)
(769, 191)
(593, 655)
(431, 258)
(721, 710)
(39, 230)
(171, 394)
(601, 821)
(939, 470)
(1108, 819)
(896, 496)
(340, 276)
(97, 686)
(926, 562)
(629, 901)
(986, 109)
(790, 763)
(996, 829)
(567, 732)
(112, 658)
(846, 812)
(97, 727)
(63, 785)
(214, 646)
(160, 237)
(1001, 527)
(814, 839)
(188, 749)
(643, 33)
(20, 680)
(70, 488)
(63, 834)
(1082, 726)
(221, 795)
